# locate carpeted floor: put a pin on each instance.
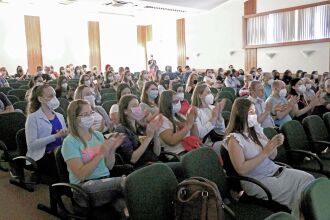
(16, 203)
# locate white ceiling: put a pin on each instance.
(127, 7)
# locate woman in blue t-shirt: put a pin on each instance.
(89, 157)
(44, 129)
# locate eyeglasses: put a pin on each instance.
(86, 114)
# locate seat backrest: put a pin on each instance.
(326, 118)
(61, 166)
(108, 90)
(316, 131)
(107, 105)
(15, 85)
(226, 116)
(225, 94)
(19, 93)
(228, 89)
(12, 98)
(20, 105)
(21, 142)
(315, 200)
(228, 105)
(188, 96)
(5, 90)
(204, 162)
(281, 216)
(64, 103)
(295, 136)
(150, 191)
(10, 124)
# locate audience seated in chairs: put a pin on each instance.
(61, 87)
(149, 99)
(251, 152)
(191, 82)
(5, 104)
(178, 88)
(36, 81)
(45, 129)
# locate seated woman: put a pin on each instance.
(86, 80)
(135, 150)
(143, 77)
(61, 87)
(89, 157)
(123, 89)
(127, 78)
(110, 81)
(102, 121)
(209, 116)
(36, 81)
(251, 154)
(191, 83)
(302, 108)
(178, 88)
(44, 129)
(174, 128)
(149, 99)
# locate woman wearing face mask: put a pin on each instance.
(149, 99)
(251, 154)
(302, 108)
(309, 93)
(277, 75)
(128, 79)
(77, 72)
(36, 81)
(123, 89)
(208, 115)
(210, 79)
(178, 88)
(109, 81)
(102, 121)
(191, 83)
(86, 80)
(315, 80)
(44, 129)
(174, 127)
(143, 77)
(137, 150)
(61, 87)
(165, 83)
(231, 81)
(89, 158)
(62, 71)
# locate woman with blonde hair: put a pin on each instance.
(102, 121)
(191, 82)
(89, 158)
(143, 77)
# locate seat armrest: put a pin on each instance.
(177, 157)
(3, 146)
(57, 190)
(282, 164)
(29, 159)
(256, 182)
(309, 155)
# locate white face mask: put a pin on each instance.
(64, 85)
(87, 122)
(180, 96)
(308, 86)
(252, 120)
(129, 77)
(301, 89)
(282, 93)
(87, 83)
(209, 99)
(176, 108)
(53, 103)
(39, 83)
(110, 78)
(270, 82)
(90, 99)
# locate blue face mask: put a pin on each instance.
(153, 94)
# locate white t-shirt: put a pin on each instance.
(114, 109)
(167, 124)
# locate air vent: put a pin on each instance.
(67, 2)
(164, 9)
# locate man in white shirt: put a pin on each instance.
(263, 110)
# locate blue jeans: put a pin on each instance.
(100, 191)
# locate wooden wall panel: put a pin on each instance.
(94, 44)
(144, 35)
(250, 8)
(181, 41)
(33, 43)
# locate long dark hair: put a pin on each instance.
(60, 81)
(120, 88)
(144, 94)
(239, 120)
(123, 105)
(166, 108)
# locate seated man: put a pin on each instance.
(281, 107)
(263, 111)
(267, 81)
(5, 104)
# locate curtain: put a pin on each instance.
(33, 43)
(181, 41)
(144, 35)
(94, 44)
